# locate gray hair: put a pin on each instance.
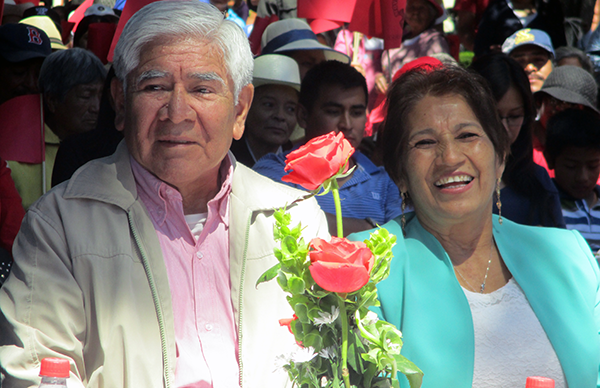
(573, 52)
(184, 19)
(64, 69)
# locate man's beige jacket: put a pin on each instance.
(89, 283)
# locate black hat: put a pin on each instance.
(20, 42)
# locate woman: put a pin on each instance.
(420, 38)
(481, 303)
(527, 193)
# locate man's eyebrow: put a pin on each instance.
(210, 76)
(152, 74)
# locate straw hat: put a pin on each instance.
(274, 69)
(292, 35)
(46, 24)
(571, 84)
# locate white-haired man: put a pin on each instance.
(141, 269)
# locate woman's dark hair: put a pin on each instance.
(411, 87)
(502, 73)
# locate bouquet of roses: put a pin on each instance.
(332, 285)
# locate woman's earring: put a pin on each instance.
(403, 196)
(498, 202)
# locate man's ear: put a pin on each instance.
(118, 95)
(241, 110)
(302, 116)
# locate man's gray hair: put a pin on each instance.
(63, 70)
(181, 20)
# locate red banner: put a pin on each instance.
(381, 18)
(22, 129)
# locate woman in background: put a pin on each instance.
(528, 195)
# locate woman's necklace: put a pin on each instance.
(487, 270)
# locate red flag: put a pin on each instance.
(381, 18)
(100, 36)
(131, 7)
(78, 14)
(22, 129)
(325, 15)
(260, 25)
(67, 27)
(1, 9)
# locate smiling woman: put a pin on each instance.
(473, 295)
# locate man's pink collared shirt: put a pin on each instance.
(198, 272)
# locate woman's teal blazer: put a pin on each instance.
(423, 298)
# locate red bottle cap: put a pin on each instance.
(539, 382)
(55, 367)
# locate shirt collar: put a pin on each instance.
(159, 196)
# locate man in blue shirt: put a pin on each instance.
(333, 97)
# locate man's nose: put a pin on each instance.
(178, 108)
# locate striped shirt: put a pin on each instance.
(579, 216)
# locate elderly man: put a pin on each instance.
(141, 270)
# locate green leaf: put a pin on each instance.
(269, 274)
(296, 285)
(410, 370)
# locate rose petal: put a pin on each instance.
(342, 278)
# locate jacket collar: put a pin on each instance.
(108, 179)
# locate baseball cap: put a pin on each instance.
(570, 84)
(295, 34)
(46, 24)
(528, 36)
(276, 69)
(20, 42)
(99, 10)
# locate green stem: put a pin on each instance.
(338, 208)
(344, 318)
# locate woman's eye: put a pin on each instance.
(424, 143)
(467, 135)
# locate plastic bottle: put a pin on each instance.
(539, 382)
(54, 372)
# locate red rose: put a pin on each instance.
(318, 160)
(340, 265)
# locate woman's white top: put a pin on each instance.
(510, 343)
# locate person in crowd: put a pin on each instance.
(96, 13)
(420, 37)
(294, 38)
(533, 50)
(573, 152)
(468, 14)
(23, 49)
(46, 24)
(71, 82)
(566, 87)
(272, 116)
(77, 150)
(333, 97)
(528, 195)
(366, 59)
(11, 215)
(502, 18)
(22, 52)
(573, 56)
(168, 222)
(481, 301)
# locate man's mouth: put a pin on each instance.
(453, 181)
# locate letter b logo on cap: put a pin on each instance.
(34, 36)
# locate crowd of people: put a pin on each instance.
(133, 249)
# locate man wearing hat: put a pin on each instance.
(272, 116)
(22, 51)
(294, 38)
(533, 50)
(567, 87)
